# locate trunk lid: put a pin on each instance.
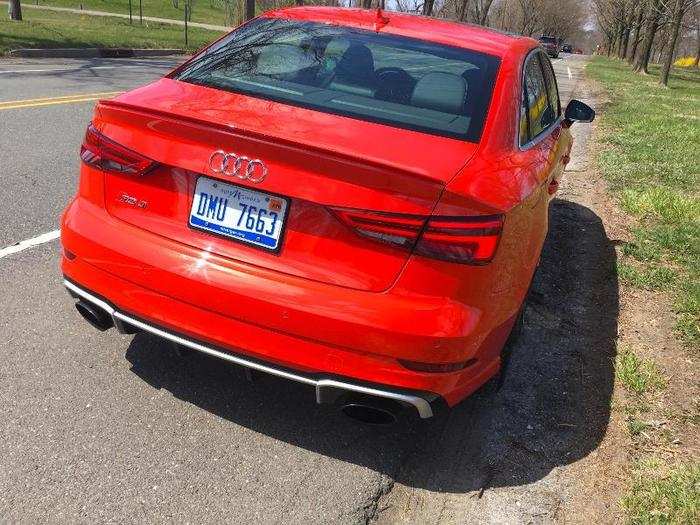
(317, 160)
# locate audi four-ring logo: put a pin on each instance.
(234, 165)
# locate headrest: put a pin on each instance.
(336, 47)
(441, 92)
(354, 61)
(282, 59)
(473, 76)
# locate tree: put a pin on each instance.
(641, 63)
(15, 10)
(680, 8)
(616, 20)
(637, 30)
(668, 61)
(475, 11)
(697, 41)
(249, 9)
(409, 6)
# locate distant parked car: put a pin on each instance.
(549, 43)
(567, 48)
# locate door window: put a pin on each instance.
(537, 109)
(551, 80)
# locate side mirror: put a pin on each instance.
(577, 111)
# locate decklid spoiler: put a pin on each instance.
(399, 158)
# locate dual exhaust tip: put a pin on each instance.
(94, 315)
(366, 409)
(370, 410)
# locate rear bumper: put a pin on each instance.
(318, 332)
(327, 388)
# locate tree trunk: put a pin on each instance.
(641, 64)
(657, 50)
(485, 13)
(428, 7)
(697, 50)
(366, 4)
(15, 10)
(625, 43)
(462, 16)
(249, 9)
(668, 62)
(620, 41)
(637, 32)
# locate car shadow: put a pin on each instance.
(552, 410)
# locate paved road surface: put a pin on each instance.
(98, 426)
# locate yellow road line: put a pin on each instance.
(49, 101)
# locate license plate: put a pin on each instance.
(239, 213)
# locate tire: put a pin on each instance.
(511, 342)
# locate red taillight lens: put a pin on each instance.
(100, 152)
(468, 240)
(392, 228)
(471, 240)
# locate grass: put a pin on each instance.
(649, 277)
(651, 159)
(47, 29)
(640, 376)
(660, 495)
(636, 426)
(206, 11)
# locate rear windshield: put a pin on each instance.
(399, 81)
(548, 39)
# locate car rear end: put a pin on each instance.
(550, 45)
(272, 203)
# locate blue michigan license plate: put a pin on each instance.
(246, 215)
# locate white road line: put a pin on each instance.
(50, 70)
(568, 70)
(29, 243)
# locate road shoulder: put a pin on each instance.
(547, 447)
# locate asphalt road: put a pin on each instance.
(103, 427)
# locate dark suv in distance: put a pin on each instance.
(549, 43)
(567, 48)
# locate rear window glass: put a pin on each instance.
(548, 39)
(399, 81)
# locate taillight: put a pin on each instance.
(100, 152)
(471, 240)
(467, 240)
(392, 228)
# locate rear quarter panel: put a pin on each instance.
(501, 178)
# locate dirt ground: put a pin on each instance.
(518, 455)
(552, 446)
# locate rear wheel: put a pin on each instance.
(511, 342)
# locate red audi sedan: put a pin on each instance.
(355, 200)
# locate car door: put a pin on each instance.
(561, 134)
(541, 130)
(540, 147)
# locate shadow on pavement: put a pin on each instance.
(553, 409)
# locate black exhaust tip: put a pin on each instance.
(370, 410)
(93, 315)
